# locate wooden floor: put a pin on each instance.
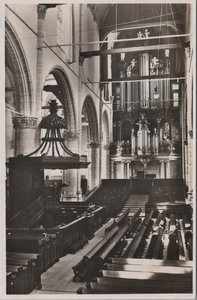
(59, 278)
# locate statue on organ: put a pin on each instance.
(132, 68)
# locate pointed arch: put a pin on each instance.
(16, 62)
(89, 107)
(66, 97)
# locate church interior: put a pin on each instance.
(100, 164)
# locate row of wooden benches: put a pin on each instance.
(50, 244)
(141, 276)
(23, 272)
(150, 236)
(141, 238)
(94, 259)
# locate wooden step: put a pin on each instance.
(144, 275)
(152, 262)
(148, 268)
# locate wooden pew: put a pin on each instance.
(172, 223)
(93, 261)
(51, 238)
(149, 268)
(160, 220)
(110, 289)
(151, 246)
(158, 245)
(118, 221)
(25, 242)
(35, 258)
(11, 283)
(31, 269)
(182, 231)
(144, 275)
(140, 235)
(187, 221)
(98, 218)
(173, 247)
(73, 235)
(21, 274)
(151, 262)
(82, 268)
(119, 286)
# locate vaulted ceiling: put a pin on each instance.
(113, 16)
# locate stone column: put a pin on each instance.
(70, 176)
(112, 169)
(168, 175)
(122, 174)
(25, 134)
(133, 142)
(129, 170)
(131, 165)
(158, 134)
(124, 170)
(119, 170)
(95, 153)
(162, 170)
(41, 12)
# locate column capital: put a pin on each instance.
(25, 122)
(41, 10)
(71, 135)
(106, 147)
(94, 145)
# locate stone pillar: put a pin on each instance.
(122, 174)
(41, 12)
(71, 176)
(25, 134)
(133, 142)
(158, 134)
(105, 161)
(119, 170)
(162, 169)
(168, 175)
(124, 170)
(128, 170)
(95, 153)
(132, 175)
(112, 169)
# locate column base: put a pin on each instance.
(70, 198)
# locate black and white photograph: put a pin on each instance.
(98, 150)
